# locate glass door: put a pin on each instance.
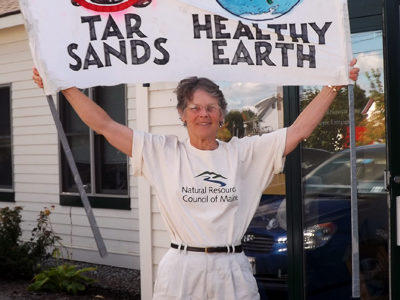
(326, 186)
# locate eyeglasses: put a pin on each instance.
(210, 109)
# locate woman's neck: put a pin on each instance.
(206, 144)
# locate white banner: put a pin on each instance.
(87, 43)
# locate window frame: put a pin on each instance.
(8, 194)
(96, 199)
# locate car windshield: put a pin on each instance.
(333, 176)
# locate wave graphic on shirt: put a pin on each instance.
(212, 177)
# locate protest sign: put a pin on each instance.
(86, 43)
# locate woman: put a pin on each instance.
(208, 190)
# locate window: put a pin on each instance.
(6, 172)
(103, 169)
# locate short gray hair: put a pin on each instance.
(186, 88)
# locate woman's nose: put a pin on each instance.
(203, 111)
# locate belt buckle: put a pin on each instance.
(206, 250)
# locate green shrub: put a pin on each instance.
(20, 259)
(64, 278)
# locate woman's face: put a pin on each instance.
(202, 116)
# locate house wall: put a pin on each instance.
(36, 167)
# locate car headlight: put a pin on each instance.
(247, 238)
(315, 236)
(318, 235)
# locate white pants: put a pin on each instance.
(201, 276)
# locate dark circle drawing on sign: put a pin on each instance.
(110, 5)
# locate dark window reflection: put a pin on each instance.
(5, 139)
(80, 147)
(78, 138)
(111, 164)
(111, 172)
(103, 169)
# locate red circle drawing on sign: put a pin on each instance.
(106, 5)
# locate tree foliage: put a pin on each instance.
(375, 123)
(223, 134)
(331, 134)
(234, 123)
(238, 123)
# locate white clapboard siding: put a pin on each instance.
(14, 46)
(160, 117)
(108, 234)
(36, 165)
(164, 116)
(16, 66)
(154, 205)
(36, 160)
(37, 139)
(28, 150)
(37, 188)
(39, 129)
(42, 200)
(33, 121)
(34, 170)
(63, 215)
(21, 103)
(28, 85)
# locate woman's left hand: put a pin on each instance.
(353, 74)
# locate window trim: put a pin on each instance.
(8, 194)
(97, 200)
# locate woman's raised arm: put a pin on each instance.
(118, 135)
(312, 115)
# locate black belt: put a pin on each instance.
(227, 249)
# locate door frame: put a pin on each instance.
(391, 48)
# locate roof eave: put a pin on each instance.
(11, 19)
(15, 12)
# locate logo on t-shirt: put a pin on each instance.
(206, 193)
(212, 177)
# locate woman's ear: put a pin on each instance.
(181, 115)
(221, 118)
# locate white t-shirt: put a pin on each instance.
(208, 197)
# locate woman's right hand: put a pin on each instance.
(37, 78)
(95, 117)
